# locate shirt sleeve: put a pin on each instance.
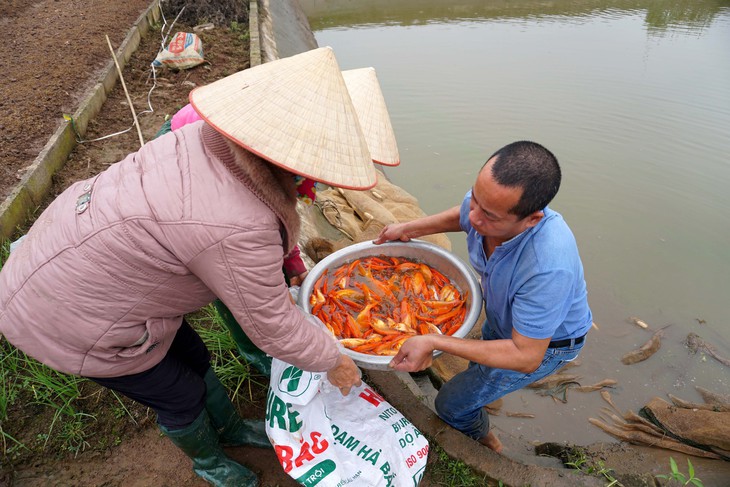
(246, 274)
(464, 212)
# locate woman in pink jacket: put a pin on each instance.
(364, 90)
(101, 284)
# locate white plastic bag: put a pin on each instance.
(16, 244)
(322, 438)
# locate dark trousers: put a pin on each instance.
(174, 388)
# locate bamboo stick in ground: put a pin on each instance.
(129, 100)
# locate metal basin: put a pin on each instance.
(448, 264)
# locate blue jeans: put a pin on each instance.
(460, 401)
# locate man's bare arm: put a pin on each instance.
(518, 353)
(446, 221)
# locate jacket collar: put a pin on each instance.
(274, 186)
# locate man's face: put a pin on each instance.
(489, 209)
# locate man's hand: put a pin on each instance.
(344, 374)
(415, 354)
(298, 280)
(392, 231)
(446, 221)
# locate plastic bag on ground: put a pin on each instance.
(323, 438)
(184, 51)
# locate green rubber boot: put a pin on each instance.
(253, 355)
(199, 441)
(232, 429)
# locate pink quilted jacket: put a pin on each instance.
(101, 283)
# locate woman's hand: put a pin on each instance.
(344, 375)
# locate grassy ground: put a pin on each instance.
(46, 413)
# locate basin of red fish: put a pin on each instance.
(372, 298)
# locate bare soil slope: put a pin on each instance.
(52, 50)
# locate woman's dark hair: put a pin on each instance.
(529, 166)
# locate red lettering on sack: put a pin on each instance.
(304, 455)
(178, 43)
(371, 396)
(285, 454)
(318, 447)
(306, 452)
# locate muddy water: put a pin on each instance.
(634, 99)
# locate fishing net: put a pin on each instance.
(341, 217)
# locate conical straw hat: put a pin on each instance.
(295, 112)
(373, 114)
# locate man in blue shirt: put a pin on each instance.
(532, 281)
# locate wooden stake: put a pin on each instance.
(129, 100)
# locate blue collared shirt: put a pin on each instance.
(533, 282)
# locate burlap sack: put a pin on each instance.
(701, 428)
(340, 218)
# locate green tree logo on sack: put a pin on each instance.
(294, 381)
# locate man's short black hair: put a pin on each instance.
(529, 166)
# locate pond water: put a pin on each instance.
(634, 99)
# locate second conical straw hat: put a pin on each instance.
(373, 114)
(295, 112)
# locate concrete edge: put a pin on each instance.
(267, 47)
(254, 36)
(404, 394)
(35, 184)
